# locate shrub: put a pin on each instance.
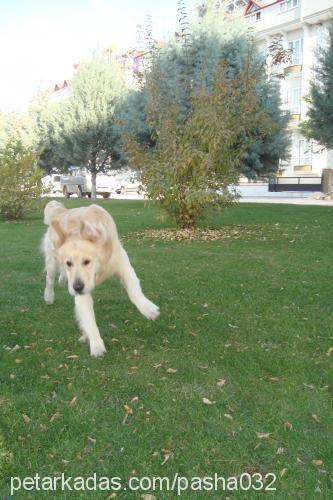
(20, 180)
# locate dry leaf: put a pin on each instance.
(172, 370)
(166, 458)
(26, 418)
(329, 351)
(207, 401)
(227, 415)
(282, 473)
(128, 411)
(299, 460)
(73, 401)
(148, 497)
(263, 435)
(73, 356)
(221, 382)
(55, 416)
(279, 451)
(92, 439)
(287, 425)
(317, 462)
(314, 416)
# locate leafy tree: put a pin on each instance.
(319, 122)
(21, 185)
(195, 160)
(83, 129)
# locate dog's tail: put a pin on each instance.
(51, 209)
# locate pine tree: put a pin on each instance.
(319, 122)
(83, 129)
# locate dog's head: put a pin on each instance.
(78, 253)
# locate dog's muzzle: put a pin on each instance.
(78, 286)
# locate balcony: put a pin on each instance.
(272, 20)
(293, 69)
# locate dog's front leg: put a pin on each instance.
(132, 285)
(84, 308)
(51, 269)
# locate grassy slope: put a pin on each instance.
(255, 313)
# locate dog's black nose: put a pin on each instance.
(78, 286)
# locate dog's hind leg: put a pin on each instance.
(51, 269)
(84, 309)
(131, 283)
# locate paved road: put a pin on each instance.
(309, 200)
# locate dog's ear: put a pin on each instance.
(92, 232)
(59, 232)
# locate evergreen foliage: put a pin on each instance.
(190, 89)
(83, 129)
(319, 122)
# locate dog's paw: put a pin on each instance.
(149, 309)
(97, 349)
(49, 296)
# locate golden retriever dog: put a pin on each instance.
(82, 245)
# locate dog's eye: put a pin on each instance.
(86, 262)
(69, 263)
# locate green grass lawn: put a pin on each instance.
(254, 313)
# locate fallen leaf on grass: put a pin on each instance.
(26, 418)
(263, 435)
(221, 382)
(73, 401)
(227, 415)
(329, 351)
(207, 401)
(148, 497)
(288, 426)
(314, 416)
(128, 411)
(172, 370)
(317, 462)
(282, 472)
(55, 416)
(73, 356)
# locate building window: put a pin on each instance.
(296, 48)
(304, 152)
(294, 100)
(288, 4)
(252, 18)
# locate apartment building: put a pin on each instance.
(302, 26)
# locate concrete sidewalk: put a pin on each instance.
(286, 200)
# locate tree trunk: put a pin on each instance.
(93, 184)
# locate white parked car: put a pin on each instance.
(128, 184)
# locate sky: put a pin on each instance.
(40, 40)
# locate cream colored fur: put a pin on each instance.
(82, 246)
